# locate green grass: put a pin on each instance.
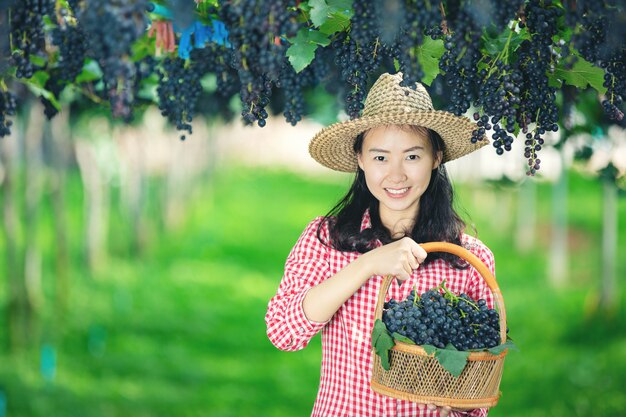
(180, 331)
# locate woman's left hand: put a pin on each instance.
(443, 411)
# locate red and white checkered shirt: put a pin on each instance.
(344, 388)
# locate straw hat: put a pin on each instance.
(388, 103)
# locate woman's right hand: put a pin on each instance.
(399, 258)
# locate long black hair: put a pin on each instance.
(436, 219)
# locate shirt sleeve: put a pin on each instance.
(307, 265)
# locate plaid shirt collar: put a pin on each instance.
(366, 221)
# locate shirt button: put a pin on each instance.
(301, 329)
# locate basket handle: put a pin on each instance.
(473, 260)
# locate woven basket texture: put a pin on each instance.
(416, 376)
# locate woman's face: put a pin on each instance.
(397, 163)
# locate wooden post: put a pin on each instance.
(608, 292)
(59, 160)
(558, 262)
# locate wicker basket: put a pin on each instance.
(416, 376)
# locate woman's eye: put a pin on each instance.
(379, 158)
(413, 157)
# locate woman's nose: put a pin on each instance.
(396, 172)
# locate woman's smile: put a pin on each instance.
(397, 192)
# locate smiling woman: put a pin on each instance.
(401, 195)
(397, 162)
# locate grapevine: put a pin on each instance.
(504, 64)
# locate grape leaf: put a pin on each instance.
(36, 84)
(495, 44)
(428, 55)
(430, 349)
(452, 360)
(582, 74)
(337, 22)
(38, 60)
(91, 72)
(382, 342)
(325, 10)
(303, 46)
(39, 79)
(496, 350)
(401, 338)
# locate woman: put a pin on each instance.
(401, 195)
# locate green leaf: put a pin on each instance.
(38, 60)
(428, 55)
(452, 360)
(39, 79)
(338, 22)
(401, 338)
(303, 46)
(379, 328)
(36, 85)
(382, 342)
(496, 44)
(305, 7)
(144, 46)
(553, 81)
(319, 12)
(496, 350)
(331, 15)
(91, 72)
(430, 349)
(582, 74)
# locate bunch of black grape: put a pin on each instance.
(460, 60)
(504, 11)
(499, 98)
(404, 23)
(27, 34)
(440, 319)
(178, 90)
(292, 85)
(600, 40)
(110, 44)
(8, 107)
(357, 54)
(72, 50)
(255, 29)
(535, 61)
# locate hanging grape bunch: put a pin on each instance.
(438, 319)
(502, 63)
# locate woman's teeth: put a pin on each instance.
(393, 191)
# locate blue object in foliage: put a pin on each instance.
(219, 33)
(184, 46)
(3, 404)
(161, 10)
(215, 32)
(48, 362)
(202, 34)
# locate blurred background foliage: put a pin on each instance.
(136, 269)
(146, 266)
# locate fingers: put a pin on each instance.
(443, 411)
(419, 253)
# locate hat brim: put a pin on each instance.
(333, 145)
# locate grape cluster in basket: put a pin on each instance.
(440, 319)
